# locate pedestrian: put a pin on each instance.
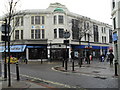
(72, 55)
(26, 61)
(102, 58)
(111, 57)
(20, 59)
(90, 57)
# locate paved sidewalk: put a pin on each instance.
(95, 68)
(22, 84)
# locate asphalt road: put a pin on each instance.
(45, 72)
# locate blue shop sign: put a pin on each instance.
(13, 48)
(115, 37)
(36, 46)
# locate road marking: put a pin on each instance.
(51, 82)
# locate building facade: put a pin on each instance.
(115, 4)
(40, 34)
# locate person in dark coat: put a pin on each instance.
(72, 55)
(111, 57)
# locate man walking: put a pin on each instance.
(111, 57)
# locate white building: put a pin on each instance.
(116, 28)
(39, 34)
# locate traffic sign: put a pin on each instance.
(66, 34)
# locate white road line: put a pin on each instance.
(55, 83)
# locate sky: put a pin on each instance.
(99, 10)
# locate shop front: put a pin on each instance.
(95, 51)
(34, 52)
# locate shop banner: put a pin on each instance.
(13, 48)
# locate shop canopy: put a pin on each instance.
(13, 48)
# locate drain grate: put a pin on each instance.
(96, 71)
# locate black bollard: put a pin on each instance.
(66, 65)
(72, 65)
(63, 63)
(116, 68)
(17, 72)
(26, 61)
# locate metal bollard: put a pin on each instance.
(17, 72)
(72, 65)
(66, 65)
(63, 63)
(116, 74)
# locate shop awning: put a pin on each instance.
(13, 48)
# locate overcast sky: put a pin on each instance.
(99, 10)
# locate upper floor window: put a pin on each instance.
(85, 25)
(32, 20)
(37, 33)
(43, 33)
(32, 34)
(55, 33)
(43, 20)
(17, 20)
(96, 34)
(110, 36)
(114, 23)
(16, 34)
(88, 25)
(61, 31)
(21, 34)
(21, 21)
(55, 19)
(75, 29)
(103, 39)
(102, 29)
(61, 19)
(37, 19)
(113, 4)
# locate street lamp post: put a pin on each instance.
(5, 63)
(88, 48)
(50, 50)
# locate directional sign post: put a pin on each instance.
(66, 35)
